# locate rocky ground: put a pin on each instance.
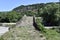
(23, 33)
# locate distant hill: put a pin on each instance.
(33, 7)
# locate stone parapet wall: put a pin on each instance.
(26, 21)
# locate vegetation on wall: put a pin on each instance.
(40, 25)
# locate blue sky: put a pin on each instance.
(7, 5)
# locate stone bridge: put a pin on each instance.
(26, 21)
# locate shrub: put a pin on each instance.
(39, 25)
(1, 38)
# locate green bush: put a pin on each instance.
(52, 35)
(10, 16)
(1, 38)
(39, 25)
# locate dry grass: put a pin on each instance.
(23, 33)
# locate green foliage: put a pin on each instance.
(13, 16)
(39, 25)
(52, 34)
(36, 8)
(1, 38)
(51, 14)
(10, 16)
(29, 13)
(49, 11)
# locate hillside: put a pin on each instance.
(33, 7)
(40, 10)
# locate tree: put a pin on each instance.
(51, 15)
(13, 16)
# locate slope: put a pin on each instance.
(23, 33)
